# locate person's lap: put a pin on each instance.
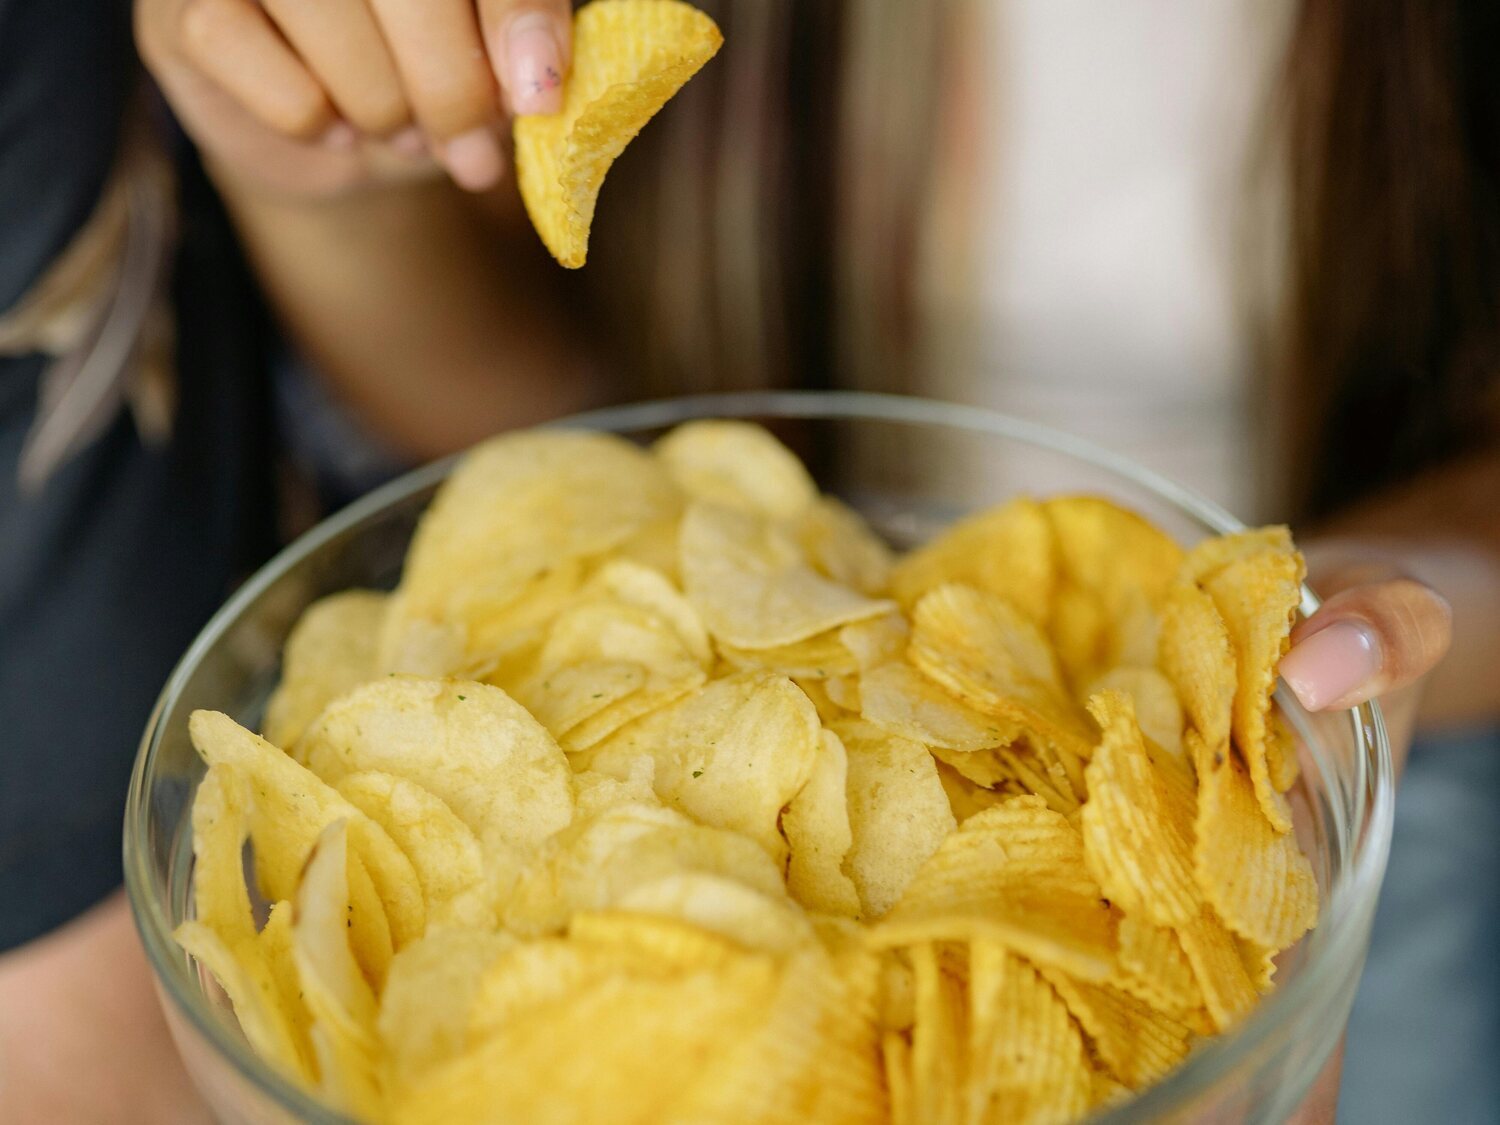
(1425, 1033)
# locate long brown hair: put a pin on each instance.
(1392, 338)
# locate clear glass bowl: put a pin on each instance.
(911, 466)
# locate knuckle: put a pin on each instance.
(203, 24)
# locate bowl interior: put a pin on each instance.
(911, 467)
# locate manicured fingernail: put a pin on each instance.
(1331, 664)
(534, 63)
(473, 160)
(339, 136)
(410, 142)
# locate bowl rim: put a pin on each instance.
(1342, 917)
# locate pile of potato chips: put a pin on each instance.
(661, 790)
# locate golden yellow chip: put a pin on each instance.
(1197, 658)
(650, 589)
(342, 1005)
(1257, 594)
(901, 700)
(898, 812)
(424, 1008)
(292, 807)
(1047, 1080)
(816, 824)
(817, 658)
(1137, 1043)
(1213, 554)
(1257, 879)
(1228, 991)
(938, 1032)
(330, 651)
(469, 744)
(753, 586)
(842, 692)
(1014, 874)
(1023, 767)
(1281, 753)
(221, 825)
(1135, 847)
(1157, 709)
(1006, 551)
(895, 1056)
(1259, 962)
(978, 647)
(841, 546)
(738, 465)
(723, 906)
(275, 941)
(443, 850)
(629, 58)
(1153, 966)
(966, 798)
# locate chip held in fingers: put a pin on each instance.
(629, 58)
(663, 788)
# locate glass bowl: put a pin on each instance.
(911, 466)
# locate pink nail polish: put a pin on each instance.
(473, 160)
(534, 63)
(1331, 664)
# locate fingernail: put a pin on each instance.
(1331, 664)
(410, 142)
(473, 160)
(534, 63)
(339, 136)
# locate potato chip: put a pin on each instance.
(821, 657)
(841, 546)
(330, 650)
(342, 1006)
(292, 806)
(1213, 554)
(515, 510)
(668, 943)
(724, 906)
(877, 641)
(1014, 874)
(275, 941)
(816, 825)
(901, 700)
(1257, 879)
(221, 826)
(1281, 753)
(898, 812)
(1137, 1043)
(732, 756)
(648, 588)
(737, 465)
(966, 798)
(1257, 595)
(842, 691)
(629, 58)
(1153, 966)
(752, 585)
(1027, 1058)
(1228, 991)
(1259, 962)
(1196, 656)
(424, 1008)
(1006, 551)
(1157, 710)
(895, 1055)
(981, 649)
(443, 850)
(937, 1038)
(1133, 845)
(469, 744)
(829, 711)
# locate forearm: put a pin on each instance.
(82, 1038)
(1444, 529)
(430, 324)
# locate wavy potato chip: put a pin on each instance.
(1005, 551)
(901, 700)
(331, 649)
(1157, 709)
(898, 812)
(723, 906)
(737, 465)
(816, 825)
(983, 650)
(1137, 1043)
(292, 806)
(1196, 656)
(1228, 991)
(1014, 874)
(895, 1057)
(752, 585)
(1153, 967)
(629, 58)
(1133, 843)
(650, 589)
(938, 1061)
(966, 798)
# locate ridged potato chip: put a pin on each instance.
(895, 1056)
(938, 1060)
(1137, 1043)
(292, 807)
(1228, 991)
(1006, 551)
(331, 649)
(1014, 874)
(629, 58)
(1260, 964)
(1135, 847)
(898, 812)
(981, 649)
(1257, 879)
(964, 797)
(733, 755)
(737, 465)
(1157, 709)
(816, 824)
(753, 586)
(1153, 966)
(1196, 656)
(1046, 1080)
